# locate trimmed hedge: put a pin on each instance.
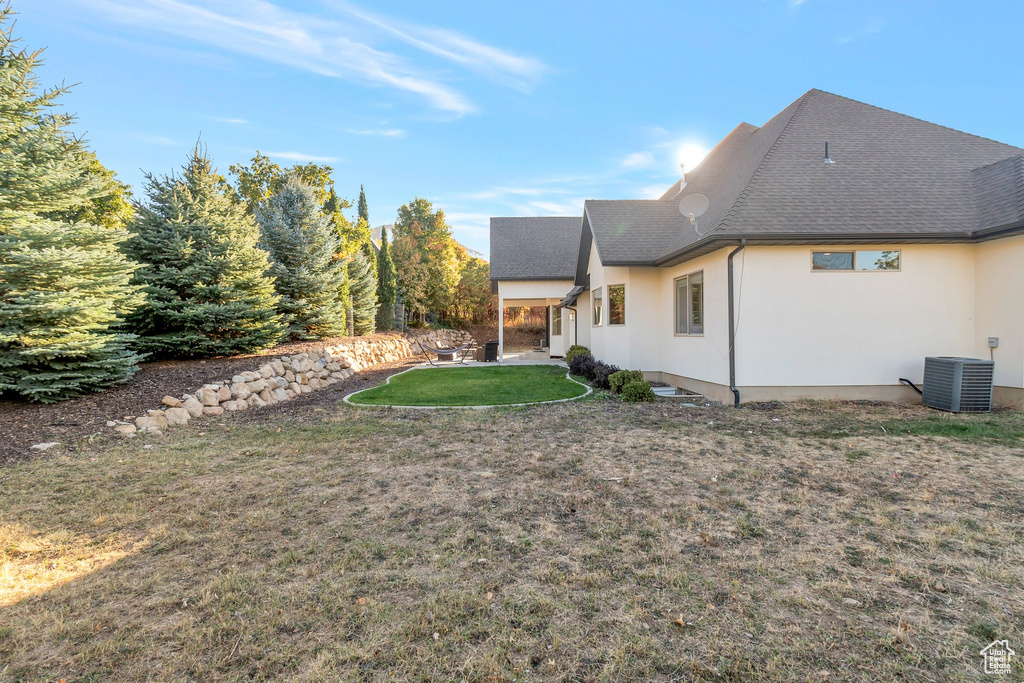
(637, 392)
(622, 378)
(576, 350)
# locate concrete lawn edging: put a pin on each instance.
(284, 377)
(346, 399)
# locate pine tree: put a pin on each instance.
(364, 212)
(303, 248)
(64, 286)
(364, 294)
(387, 285)
(204, 275)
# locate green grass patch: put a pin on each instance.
(500, 385)
(1006, 427)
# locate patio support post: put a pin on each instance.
(501, 327)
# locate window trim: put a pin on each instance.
(609, 288)
(855, 269)
(556, 314)
(594, 296)
(675, 305)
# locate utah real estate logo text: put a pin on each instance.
(997, 657)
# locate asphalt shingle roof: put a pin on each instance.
(893, 175)
(534, 248)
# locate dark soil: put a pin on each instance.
(83, 419)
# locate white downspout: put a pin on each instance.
(501, 326)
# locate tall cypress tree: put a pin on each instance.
(387, 284)
(303, 247)
(208, 292)
(64, 286)
(364, 294)
(364, 212)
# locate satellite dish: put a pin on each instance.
(692, 206)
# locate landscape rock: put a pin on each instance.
(149, 423)
(177, 416)
(224, 394)
(266, 372)
(194, 407)
(213, 411)
(209, 397)
(41, 447)
(171, 402)
(240, 390)
(126, 429)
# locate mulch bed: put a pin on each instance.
(72, 422)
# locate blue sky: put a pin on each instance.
(503, 109)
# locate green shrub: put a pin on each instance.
(576, 350)
(634, 392)
(622, 378)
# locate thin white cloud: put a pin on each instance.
(326, 46)
(322, 45)
(383, 132)
(638, 160)
(149, 139)
(235, 121)
(492, 62)
(873, 27)
(653, 191)
(301, 156)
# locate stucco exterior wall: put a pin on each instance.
(799, 327)
(822, 334)
(999, 306)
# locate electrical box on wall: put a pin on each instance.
(993, 342)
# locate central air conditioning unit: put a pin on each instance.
(959, 385)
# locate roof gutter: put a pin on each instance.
(732, 329)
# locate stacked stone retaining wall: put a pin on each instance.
(282, 378)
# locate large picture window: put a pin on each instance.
(556, 322)
(690, 304)
(616, 304)
(598, 308)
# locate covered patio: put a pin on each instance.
(559, 321)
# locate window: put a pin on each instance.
(597, 308)
(690, 304)
(616, 304)
(878, 260)
(556, 322)
(862, 259)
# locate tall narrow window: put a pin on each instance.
(689, 295)
(556, 322)
(696, 303)
(598, 309)
(616, 304)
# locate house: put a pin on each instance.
(810, 274)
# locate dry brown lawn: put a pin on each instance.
(582, 541)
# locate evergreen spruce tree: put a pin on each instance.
(208, 292)
(64, 286)
(364, 212)
(364, 294)
(387, 285)
(303, 248)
